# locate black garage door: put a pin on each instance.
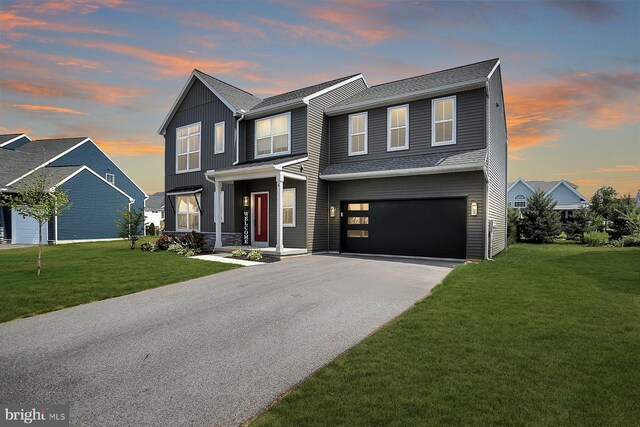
(426, 227)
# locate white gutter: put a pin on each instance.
(237, 137)
(470, 167)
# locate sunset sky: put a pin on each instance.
(111, 69)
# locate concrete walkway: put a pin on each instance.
(212, 351)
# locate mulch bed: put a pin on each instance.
(265, 258)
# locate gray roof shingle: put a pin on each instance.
(545, 185)
(8, 137)
(298, 94)
(450, 158)
(240, 99)
(53, 175)
(156, 201)
(425, 82)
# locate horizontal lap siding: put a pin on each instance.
(318, 149)
(201, 105)
(469, 185)
(470, 119)
(298, 134)
(497, 164)
(93, 212)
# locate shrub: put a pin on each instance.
(632, 240)
(596, 238)
(540, 223)
(625, 218)
(239, 253)
(151, 229)
(513, 225)
(147, 247)
(255, 255)
(182, 248)
(193, 240)
(163, 242)
(584, 220)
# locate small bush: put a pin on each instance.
(147, 247)
(193, 240)
(255, 255)
(596, 238)
(163, 242)
(151, 229)
(239, 253)
(632, 240)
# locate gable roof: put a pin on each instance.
(156, 201)
(238, 98)
(10, 137)
(433, 84)
(547, 186)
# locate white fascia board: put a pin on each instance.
(50, 161)
(251, 169)
(402, 98)
(294, 176)
(176, 193)
(87, 168)
(291, 162)
(80, 169)
(308, 98)
(522, 181)
(471, 167)
(495, 67)
(24, 135)
(274, 109)
(123, 172)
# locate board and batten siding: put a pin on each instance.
(298, 134)
(497, 163)
(318, 150)
(93, 212)
(201, 105)
(468, 184)
(89, 155)
(470, 127)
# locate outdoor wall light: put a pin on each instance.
(245, 201)
(474, 208)
(332, 211)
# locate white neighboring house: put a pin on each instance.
(564, 193)
(154, 210)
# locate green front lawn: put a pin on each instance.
(543, 335)
(84, 272)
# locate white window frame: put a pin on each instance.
(452, 120)
(199, 151)
(516, 200)
(255, 137)
(188, 213)
(293, 224)
(215, 138)
(113, 178)
(366, 134)
(215, 202)
(406, 134)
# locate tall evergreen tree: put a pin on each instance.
(604, 201)
(540, 223)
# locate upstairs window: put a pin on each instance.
(218, 137)
(289, 207)
(443, 121)
(273, 136)
(520, 201)
(188, 148)
(398, 128)
(111, 178)
(358, 134)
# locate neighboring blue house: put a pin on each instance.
(564, 193)
(96, 186)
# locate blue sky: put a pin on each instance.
(111, 69)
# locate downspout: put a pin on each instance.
(237, 138)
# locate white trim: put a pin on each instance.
(215, 138)
(515, 199)
(308, 98)
(294, 176)
(566, 184)
(194, 75)
(189, 152)
(522, 181)
(15, 139)
(453, 121)
(119, 168)
(188, 213)
(366, 135)
(295, 201)
(406, 126)
(253, 229)
(470, 167)
(215, 200)
(493, 69)
(106, 176)
(180, 193)
(87, 168)
(424, 93)
(271, 135)
(250, 171)
(291, 162)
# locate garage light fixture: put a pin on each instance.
(332, 211)
(474, 208)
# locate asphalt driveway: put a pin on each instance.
(210, 351)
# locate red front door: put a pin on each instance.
(261, 218)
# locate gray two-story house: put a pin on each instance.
(415, 167)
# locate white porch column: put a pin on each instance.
(216, 214)
(279, 230)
